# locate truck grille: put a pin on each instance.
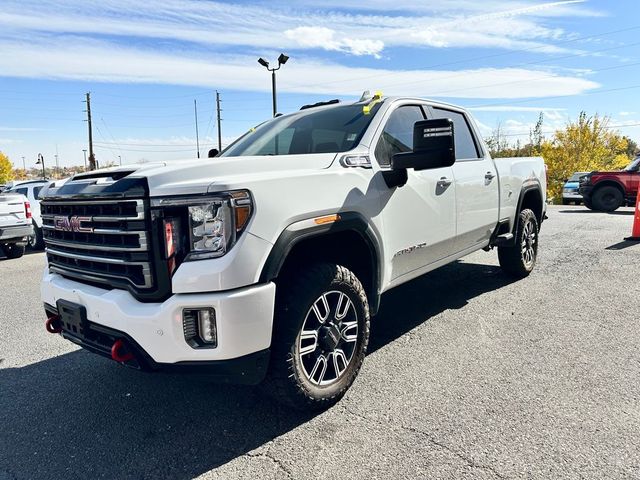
(103, 241)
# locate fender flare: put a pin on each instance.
(349, 221)
(526, 188)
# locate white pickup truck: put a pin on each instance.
(15, 224)
(267, 261)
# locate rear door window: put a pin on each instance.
(466, 147)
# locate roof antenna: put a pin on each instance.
(366, 95)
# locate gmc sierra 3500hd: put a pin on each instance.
(267, 261)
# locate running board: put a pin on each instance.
(502, 239)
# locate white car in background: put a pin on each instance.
(15, 224)
(31, 190)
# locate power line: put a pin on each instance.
(516, 65)
(596, 92)
(482, 57)
(549, 132)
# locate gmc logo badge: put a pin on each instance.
(72, 224)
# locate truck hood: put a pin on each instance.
(183, 177)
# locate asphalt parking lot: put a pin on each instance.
(469, 375)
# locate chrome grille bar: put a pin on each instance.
(113, 249)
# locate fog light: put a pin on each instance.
(199, 327)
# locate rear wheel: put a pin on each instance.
(36, 241)
(14, 251)
(566, 202)
(607, 199)
(320, 338)
(518, 260)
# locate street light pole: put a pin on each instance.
(282, 59)
(120, 158)
(84, 150)
(41, 161)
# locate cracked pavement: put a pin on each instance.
(469, 375)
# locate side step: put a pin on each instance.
(502, 239)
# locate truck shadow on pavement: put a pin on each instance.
(595, 212)
(81, 416)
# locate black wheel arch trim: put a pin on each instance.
(609, 182)
(526, 188)
(349, 221)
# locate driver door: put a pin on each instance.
(419, 218)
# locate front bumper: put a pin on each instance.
(15, 232)
(586, 191)
(572, 195)
(244, 320)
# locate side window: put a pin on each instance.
(22, 191)
(397, 135)
(36, 191)
(465, 144)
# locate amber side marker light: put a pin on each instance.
(327, 219)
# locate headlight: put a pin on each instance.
(214, 221)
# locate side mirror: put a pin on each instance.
(213, 152)
(433, 146)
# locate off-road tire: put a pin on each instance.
(296, 295)
(513, 259)
(607, 199)
(14, 251)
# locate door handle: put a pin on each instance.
(444, 182)
(488, 177)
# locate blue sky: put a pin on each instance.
(145, 63)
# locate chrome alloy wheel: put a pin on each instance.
(327, 341)
(528, 246)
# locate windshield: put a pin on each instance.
(322, 130)
(633, 166)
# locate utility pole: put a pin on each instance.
(57, 165)
(219, 122)
(92, 157)
(195, 109)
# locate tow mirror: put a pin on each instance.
(433, 147)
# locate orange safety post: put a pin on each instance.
(635, 231)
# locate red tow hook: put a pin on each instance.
(117, 352)
(53, 324)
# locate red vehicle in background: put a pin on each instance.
(607, 191)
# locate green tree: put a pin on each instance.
(581, 146)
(6, 169)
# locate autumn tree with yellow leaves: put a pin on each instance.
(584, 145)
(6, 169)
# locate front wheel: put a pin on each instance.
(518, 260)
(321, 333)
(607, 198)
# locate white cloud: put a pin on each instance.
(101, 61)
(514, 25)
(325, 38)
